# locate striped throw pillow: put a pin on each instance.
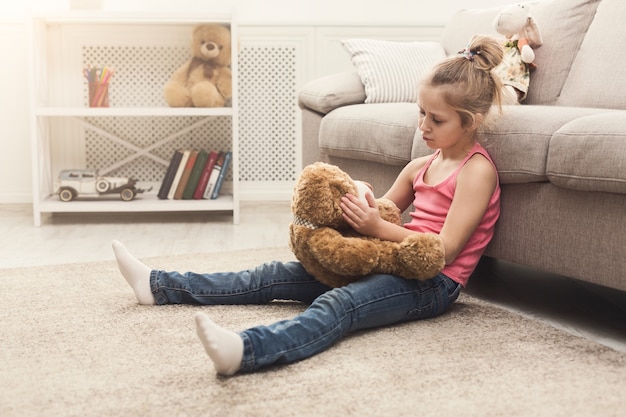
(390, 71)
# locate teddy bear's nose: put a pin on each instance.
(211, 46)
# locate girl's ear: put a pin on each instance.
(478, 120)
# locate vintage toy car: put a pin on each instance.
(73, 183)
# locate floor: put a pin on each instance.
(589, 311)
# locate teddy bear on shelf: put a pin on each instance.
(522, 35)
(333, 252)
(205, 80)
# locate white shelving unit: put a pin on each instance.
(137, 134)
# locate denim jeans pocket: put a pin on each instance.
(454, 288)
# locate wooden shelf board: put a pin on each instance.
(141, 203)
(79, 111)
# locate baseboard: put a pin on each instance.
(16, 198)
(265, 190)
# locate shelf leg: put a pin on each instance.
(236, 214)
(36, 218)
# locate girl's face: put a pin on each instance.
(439, 123)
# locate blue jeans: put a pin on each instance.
(376, 300)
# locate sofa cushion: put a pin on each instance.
(466, 23)
(374, 132)
(326, 93)
(593, 85)
(562, 23)
(391, 71)
(519, 139)
(589, 154)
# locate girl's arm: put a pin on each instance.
(475, 185)
(401, 191)
(366, 219)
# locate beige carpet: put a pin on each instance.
(74, 343)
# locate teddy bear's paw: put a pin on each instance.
(421, 256)
(176, 95)
(205, 94)
(389, 211)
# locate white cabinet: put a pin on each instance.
(138, 133)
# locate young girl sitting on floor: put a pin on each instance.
(455, 193)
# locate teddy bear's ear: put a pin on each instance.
(197, 28)
(317, 194)
(532, 33)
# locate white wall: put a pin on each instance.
(15, 165)
(277, 11)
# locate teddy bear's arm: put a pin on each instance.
(176, 91)
(344, 255)
(224, 83)
(420, 256)
(389, 211)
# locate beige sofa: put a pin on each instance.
(561, 155)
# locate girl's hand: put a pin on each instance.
(362, 217)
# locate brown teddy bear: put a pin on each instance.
(333, 252)
(206, 79)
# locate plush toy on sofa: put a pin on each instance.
(205, 80)
(522, 32)
(333, 252)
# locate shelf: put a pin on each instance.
(142, 203)
(131, 111)
(137, 135)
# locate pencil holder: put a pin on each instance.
(98, 94)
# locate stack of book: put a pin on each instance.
(195, 175)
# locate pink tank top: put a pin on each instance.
(431, 207)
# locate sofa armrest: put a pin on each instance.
(327, 93)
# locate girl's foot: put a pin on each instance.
(225, 348)
(137, 274)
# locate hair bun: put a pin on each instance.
(484, 51)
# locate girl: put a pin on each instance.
(455, 193)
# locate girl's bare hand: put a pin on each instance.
(362, 217)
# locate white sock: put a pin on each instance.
(224, 347)
(137, 274)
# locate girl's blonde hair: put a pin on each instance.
(470, 86)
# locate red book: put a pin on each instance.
(217, 168)
(206, 174)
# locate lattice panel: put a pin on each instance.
(140, 72)
(267, 123)
(267, 112)
(142, 132)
